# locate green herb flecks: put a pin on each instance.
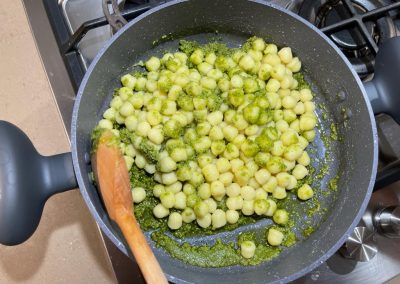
(149, 150)
(332, 185)
(308, 231)
(303, 84)
(216, 47)
(334, 134)
(188, 47)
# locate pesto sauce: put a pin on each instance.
(322, 172)
(144, 210)
(138, 74)
(140, 178)
(95, 138)
(148, 150)
(188, 47)
(314, 209)
(125, 135)
(308, 231)
(290, 239)
(193, 230)
(144, 215)
(303, 84)
(220, 49)
(248, 44)
(218, 255)
(334, 134)
(215, 46)
(332, 185)
(326, 140)
(221, 254)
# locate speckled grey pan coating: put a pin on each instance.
(338, 89)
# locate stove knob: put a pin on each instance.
(360, 246)
(387, 221)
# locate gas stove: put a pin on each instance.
(69, 34)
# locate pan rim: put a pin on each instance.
(109, 44)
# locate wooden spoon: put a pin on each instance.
(113, 179)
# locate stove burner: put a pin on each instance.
(350, 39)
(323, 13)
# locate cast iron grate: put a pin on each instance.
(360, 22)
(326, 14)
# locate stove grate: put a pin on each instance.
(359, 21)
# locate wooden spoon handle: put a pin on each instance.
(113, 179)
(137, 242)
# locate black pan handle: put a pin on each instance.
(27, 180)
(383, 90)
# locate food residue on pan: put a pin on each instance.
(333, 183)
(308, 231)
(334, 134)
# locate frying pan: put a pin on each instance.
(27, 179)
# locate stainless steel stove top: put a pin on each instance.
(382, 267)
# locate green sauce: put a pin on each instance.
(303, 84)
(323, 172)
(187, 46)
(334, 134)
(308, 231)
(314, 209)
(148, 150)
(139, 178)
(138, 74)
(290, 239)
(326, 140)
(218, 255)
(332, 185)
(263, 253)
(220, 49)
(193, 230)
(144, 210)
(95, 138)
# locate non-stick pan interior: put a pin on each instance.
(340, 104)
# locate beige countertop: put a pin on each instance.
(67, 247)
